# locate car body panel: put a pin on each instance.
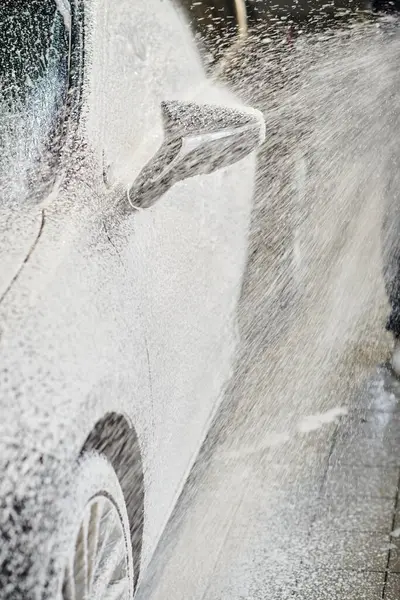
(127, 312)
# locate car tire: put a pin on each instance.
(93, 550)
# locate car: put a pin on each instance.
(126, 191)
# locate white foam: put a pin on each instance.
(314, 422)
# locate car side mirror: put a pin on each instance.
(198, 139)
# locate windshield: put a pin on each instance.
(34, 64)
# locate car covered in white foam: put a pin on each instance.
(126, 182)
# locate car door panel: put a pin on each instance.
(185, 256)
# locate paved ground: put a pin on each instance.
(311, 517)
(296, 493)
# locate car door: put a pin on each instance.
(185, 251)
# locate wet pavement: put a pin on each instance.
(317, 517)
(296, 491)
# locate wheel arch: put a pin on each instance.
(115, 437)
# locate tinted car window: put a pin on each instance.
(34, 64)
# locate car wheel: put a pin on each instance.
(94, 550)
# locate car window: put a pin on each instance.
(34, 64)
